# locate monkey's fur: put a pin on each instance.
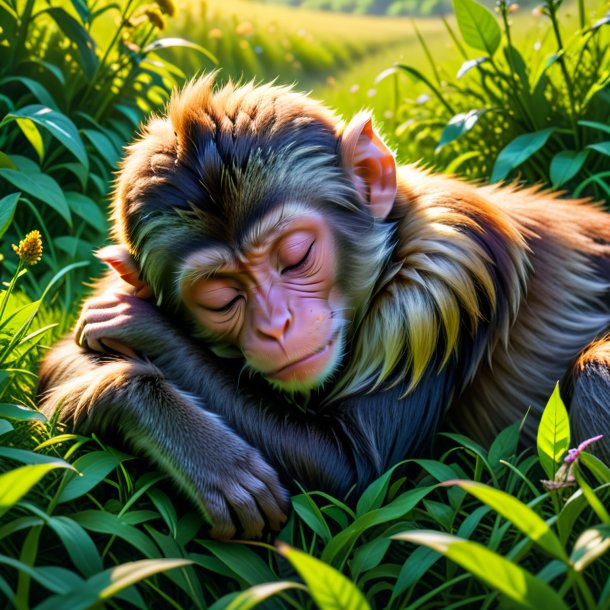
(473, 301)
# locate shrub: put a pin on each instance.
(537, 112)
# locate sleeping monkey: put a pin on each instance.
(289, 305)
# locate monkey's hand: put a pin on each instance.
(124, 324)
(239, 493)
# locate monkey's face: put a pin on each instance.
(275, 298)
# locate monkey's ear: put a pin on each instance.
(370, 163)
(119, 258)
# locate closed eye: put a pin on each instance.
(224, 308)
(302, 262)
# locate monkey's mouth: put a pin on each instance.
(313, 367)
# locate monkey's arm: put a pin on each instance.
(351, 443)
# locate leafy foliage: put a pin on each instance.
(520, 110)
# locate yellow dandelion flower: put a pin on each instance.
(29, 249)
(215, 33)
(245, 28)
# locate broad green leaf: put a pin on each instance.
(242, 560)
(8, 205)
(78, 544)
(566, 164)
(478, 26)
(30, 131)
(458, 125)
(92, 468)
(414, 568)
(5, 427)
(601, 147)
(328, 587)
(6, 161)
(595, 125)
(590, 545)
(373, 495)
(75, 248)
(37, 89)
(15, 483)
(309, 512)
(40, 575)
(504, 446)
(75, 33)
(553, 434)
(253, 596)
(24, 456)
(519, 514)
(58, 124)
(600, 471)
(87, 209)
(113, 525)
(518, 151)
(499, 573)
(107, 584)
(13, 411)
(103, 144)
(42, 187)
(368, 556)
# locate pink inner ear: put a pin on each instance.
(371, 164)
(119, 258)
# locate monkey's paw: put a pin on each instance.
(242, 495)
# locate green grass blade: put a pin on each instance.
(519, 514)
(521, 586)
(253, 596)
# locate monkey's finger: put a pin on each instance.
(217, 509)
(245, 507)
(269, 477)
(267, 502)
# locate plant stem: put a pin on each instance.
(10, 289)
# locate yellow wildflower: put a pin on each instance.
(168, 7)
(29, 249)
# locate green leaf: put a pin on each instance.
(590, 545)
(553, 434)
(58, 125)
(497, 572)
(8, 205)
(37, 90)
(75, 33)
(519, 514)
(338, 548)
(13, 411)
(78, 544)
(259, 593)
(601, 147)
(566, 164)
(595, 125)
(328, 587)
(93, 467)
(414, 568)
(168, 43)
(518, 151)
(107, 523)
(31, 457)
(42, 187)
(478, 26)
(504, 446)
(309, 512)
(109, 583)
(458, 125)
(5, 427)
(87, 209)
(30, 131)
(242, 560)
(15, 483)
(600, 471)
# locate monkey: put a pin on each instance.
(288, 308)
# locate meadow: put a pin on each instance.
(498, 95)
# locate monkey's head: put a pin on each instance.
(255, 215)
